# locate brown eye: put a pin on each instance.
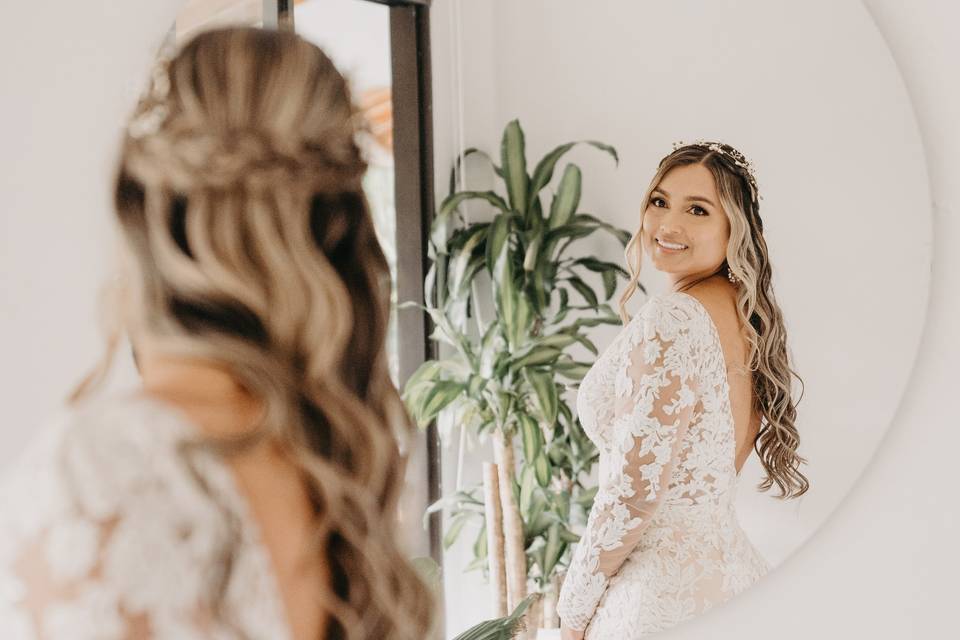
(695, 208)
(655, 200)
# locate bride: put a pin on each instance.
(695, 382)
(249, 489)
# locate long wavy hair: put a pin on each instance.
(243, 211)
(748, 258)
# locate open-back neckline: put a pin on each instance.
(726, 378)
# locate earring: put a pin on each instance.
(732, 278)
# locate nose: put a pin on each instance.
(669, 229)
(670, 223)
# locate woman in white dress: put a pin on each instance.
(698, 379)
(249, 489)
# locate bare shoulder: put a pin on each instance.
(719, 298)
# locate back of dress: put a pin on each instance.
(113, 526)
(662, 542)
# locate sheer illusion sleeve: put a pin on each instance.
(656, 383)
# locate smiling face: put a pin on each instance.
(685, 231)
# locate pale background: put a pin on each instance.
(883, 566)
(810, 92)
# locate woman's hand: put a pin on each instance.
(566, 633)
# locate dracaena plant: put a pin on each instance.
(506, 374)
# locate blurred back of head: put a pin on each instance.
(250, 243)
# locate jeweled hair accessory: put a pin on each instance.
(153, 106)
(733, 155)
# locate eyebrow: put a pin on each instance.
(690, 198)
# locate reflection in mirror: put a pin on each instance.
(356, 36)
(631, 474)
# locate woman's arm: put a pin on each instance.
(656, 393)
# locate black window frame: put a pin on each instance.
(414, 202)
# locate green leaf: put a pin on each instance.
(593, 322)
(426, 372)
(572, 370)
(568, 536)
(533, 252)
(584, 290)
(621, 235)
(476, 385)
(558, 340)
(536, 357)
(538, 521)
(453, 531)
(443, 393)
(528, 482)
(491, 348)
(496, 241)
(545, 393)
(532, 438)
(480, 543)
(499, 628)
(605, 147)
(554, 548)
(438, 229)
(609, 284)
(569, 231)
(543, 173)
(567, 199)
(520, 323)
(454, 170)
(542, 468)
(429, 571)
(599, 266)
(514, 162)
(586, 342)
(585, 498)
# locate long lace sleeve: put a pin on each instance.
(655, 393)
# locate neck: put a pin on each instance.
(188, 378)
(680, 281)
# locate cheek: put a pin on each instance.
(649, 225)
(715, 241)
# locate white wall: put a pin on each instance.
(883, 567)
(71, 74)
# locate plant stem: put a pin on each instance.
(514, 547)
(495, 552)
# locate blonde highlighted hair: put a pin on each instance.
(748, 259)
(253, 246)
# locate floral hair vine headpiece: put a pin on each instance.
(154, 103)
(733, 155)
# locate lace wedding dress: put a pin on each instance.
(108, 531)
(662, 542)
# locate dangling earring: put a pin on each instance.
(732, 278)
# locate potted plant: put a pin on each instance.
(506, 375)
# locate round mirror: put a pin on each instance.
(810, 94)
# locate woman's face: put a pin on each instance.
(685, 232)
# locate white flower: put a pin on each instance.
(71, 549)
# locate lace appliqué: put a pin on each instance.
(105, 533)
(661, 542)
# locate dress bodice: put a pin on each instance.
(704, 469)
(113, 525)
(656, 403)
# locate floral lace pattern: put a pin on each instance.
(106, 532)
(662, 542)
